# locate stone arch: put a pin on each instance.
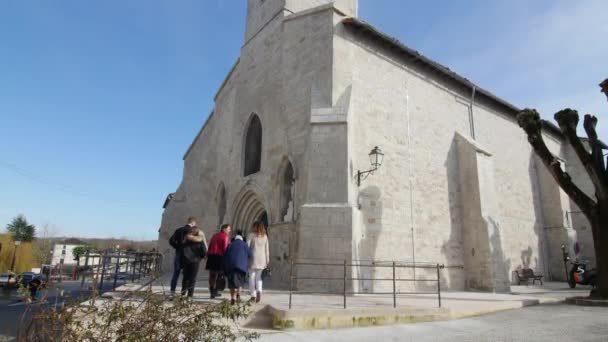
(252, 146)
(249, 206)
(286, 184)
(220, 201)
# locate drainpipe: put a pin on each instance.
(411, 181)
(471, 116)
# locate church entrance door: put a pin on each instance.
(249, 208)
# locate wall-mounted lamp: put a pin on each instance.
(375, 157)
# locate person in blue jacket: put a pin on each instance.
(236, 262)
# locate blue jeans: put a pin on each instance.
(177, 267)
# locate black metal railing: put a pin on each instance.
(347, 265)
(115, 266)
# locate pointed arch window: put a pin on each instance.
(287, 194)
(253, 146)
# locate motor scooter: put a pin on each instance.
(579, 274)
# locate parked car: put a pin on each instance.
(8, 279)
(122, 275)
(26, 277)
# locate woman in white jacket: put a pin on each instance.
(260, 252)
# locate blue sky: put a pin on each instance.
(100, 99)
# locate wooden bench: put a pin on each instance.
(527, 274)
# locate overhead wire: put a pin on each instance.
(60, 186)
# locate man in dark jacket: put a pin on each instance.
(193, 251)
(236, 262)
(177, 241)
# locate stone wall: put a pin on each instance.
(261, 12)
(405, 209)
(412, 209)
(274, 78)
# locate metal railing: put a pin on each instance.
(345, 279)
(115, 266)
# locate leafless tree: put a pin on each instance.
(43, 244)
(595, 208)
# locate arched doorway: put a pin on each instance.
(249, 207)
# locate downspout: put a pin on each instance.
(471, 116)
(411, 176)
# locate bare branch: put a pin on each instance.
(604, 86)
(589, 124)
(568, 121)
(530, 121)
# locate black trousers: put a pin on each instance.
(189, 277)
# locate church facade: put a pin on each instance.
(314, 91)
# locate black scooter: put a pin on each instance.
(580, 275)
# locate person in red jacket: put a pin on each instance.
(215, 254)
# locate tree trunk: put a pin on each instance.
(599, 227)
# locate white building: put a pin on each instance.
(65, 252)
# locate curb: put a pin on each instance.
(134, 287)
(326, 319)
(585, 301)
(339, 318)
(128, 288)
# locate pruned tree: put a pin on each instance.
(21, 230)
(595, 208)
(80, 251)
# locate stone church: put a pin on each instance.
(288, 142)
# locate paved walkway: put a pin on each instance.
(327, 311)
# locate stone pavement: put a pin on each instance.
(326, 311)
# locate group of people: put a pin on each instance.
(227, 259)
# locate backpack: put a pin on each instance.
(193, 252)
(174, 240)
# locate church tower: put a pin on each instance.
(261, 12)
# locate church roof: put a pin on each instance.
(168, 199)
(416, 57)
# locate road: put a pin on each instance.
(12, 307)
(550, 323)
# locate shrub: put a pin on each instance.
(142, 317)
